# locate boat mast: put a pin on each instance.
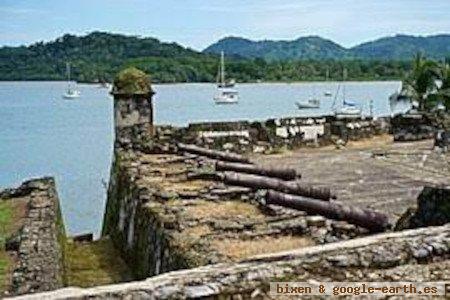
(68, 75)
(344, 77)
(222, 68)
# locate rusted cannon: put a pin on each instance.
(220, 155)
(291, 187)
(372, 220)
(282, 173)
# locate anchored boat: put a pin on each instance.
(348, 109)
(311, 103)
(226, 93)
(71, 93)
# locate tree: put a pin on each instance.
(443, 93)
(421, 81)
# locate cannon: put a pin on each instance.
(369, 219)
(262, 182)
(215, 154)
(282, 173)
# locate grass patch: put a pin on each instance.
(5, 266)
(6, 217)
(95, 263)
(224, 210)
(239, 249)
(197, 231)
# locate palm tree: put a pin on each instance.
(443, 93)
(421, 81)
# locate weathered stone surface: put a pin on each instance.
(162, 222)
(274, 134)
(39, 265)
(433, 208)
(413, 127)
(384, 257)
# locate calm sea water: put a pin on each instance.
(42, 134)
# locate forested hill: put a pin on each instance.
(99, 56)
(399, 47)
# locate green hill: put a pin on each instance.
(99, 56)
(399, 47)
(312, 47)
(404, 47)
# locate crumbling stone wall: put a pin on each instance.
(354, 130)
(413, 127)
(433, 208)
(269, 135)
(133, 121)
(413, 255)
(39, 244)
(138, 231)
(133, 109)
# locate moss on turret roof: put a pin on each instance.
(132, 81)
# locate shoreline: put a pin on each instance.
(237, 83)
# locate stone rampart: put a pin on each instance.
(269, 135)
(38, 245)
(412, 255)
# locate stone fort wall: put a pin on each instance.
(38, 246)
(412, 255)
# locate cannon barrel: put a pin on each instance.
(215, 154)
(291, 187)
(372, 220)
(282, 173)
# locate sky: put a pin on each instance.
(199, 23)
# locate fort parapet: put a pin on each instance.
(413, 255)
(37, 246)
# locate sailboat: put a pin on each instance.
(226, 94)
(70, 93)
(312, 102)
(348, 109)
(327, 76)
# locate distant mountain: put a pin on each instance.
(399, 47)
(312, 47)
(404, 47)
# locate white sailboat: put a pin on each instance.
(312, 102)
(348, 109)
(71, 93)
(226, 94)
(327, 76)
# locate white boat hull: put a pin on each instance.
(72, 95)
(226, 100)
(349, 112)
(310, 104)
(227, 96)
